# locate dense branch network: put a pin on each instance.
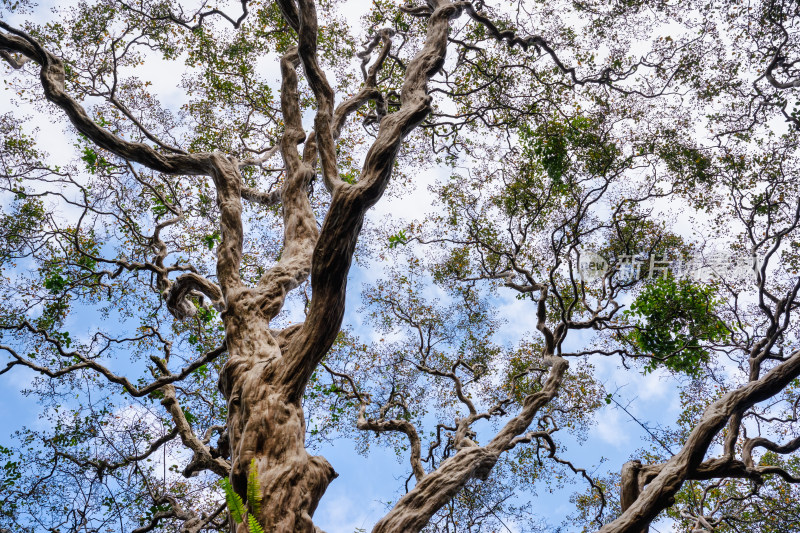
(544, 198)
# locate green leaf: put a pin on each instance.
(189, 416)
(235, 503)
(254, 495)
(55, 283)
(253, 525)
(211, 240)
(398, 239)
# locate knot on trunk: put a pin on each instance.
(177, 295)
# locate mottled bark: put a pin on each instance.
(264, 426)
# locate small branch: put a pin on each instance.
(259, 161)
(200, 15)
(201, 458)
(102, 467)
(15, 62)
(383, 425)
(85, 362)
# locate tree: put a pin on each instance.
(566, 130)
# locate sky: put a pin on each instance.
(358, 497)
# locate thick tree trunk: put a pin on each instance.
(291, 481)
(265, 426)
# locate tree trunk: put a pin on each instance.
(265, 427)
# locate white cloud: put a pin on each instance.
(345, 514)
(611, 428)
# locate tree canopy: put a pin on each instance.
(622, 175)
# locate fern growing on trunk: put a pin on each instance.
(241, 512)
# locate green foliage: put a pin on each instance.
(671, 319)
(211, 240)
(685, 161)
(456, 265)
(206, 314)
(634, 231)
(555, 156)
(254, 494)
(519, 381)
(17, 228)
(11, 472)
(93, 160)
(190, 418)
(560, 144)
(235, 504)
(54, 283)
(549, 145)
(240, 512)
(349, 177)
(399, 238)
(159, 207)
